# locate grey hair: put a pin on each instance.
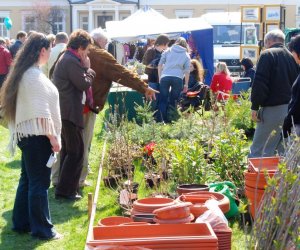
(275, 36)
(99, 33)
(61, 37)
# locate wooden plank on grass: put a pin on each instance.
(90, 235)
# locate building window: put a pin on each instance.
(3, 31)
(84, 22)
(184, 13)
(101, 20)
(58, 24)
(29, 21)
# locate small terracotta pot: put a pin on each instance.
(114, 220)
(187, 188)
(173, 212)
(147, 205)
(199, 198)
(187, 219)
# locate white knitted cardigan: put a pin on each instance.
(38, 111)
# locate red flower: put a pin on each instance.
(149, 148)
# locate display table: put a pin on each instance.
(122, 100)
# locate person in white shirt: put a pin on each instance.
(61, 40)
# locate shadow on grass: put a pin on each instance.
(12, 240)
(63, 210)
(16, 164)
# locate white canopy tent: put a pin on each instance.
(147, 22)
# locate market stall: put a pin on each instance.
(148, 23)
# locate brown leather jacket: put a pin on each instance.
(108, 70)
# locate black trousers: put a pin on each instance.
(71, 159)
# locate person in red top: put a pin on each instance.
(221, 83)
(5, 61)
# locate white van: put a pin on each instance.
(228, 35)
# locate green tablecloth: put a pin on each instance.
(122, 101)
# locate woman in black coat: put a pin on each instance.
(248, 68)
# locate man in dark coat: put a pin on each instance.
(21, 37)
(271, 92)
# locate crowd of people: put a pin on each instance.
(52, 90)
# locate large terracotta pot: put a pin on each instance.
(114, 220)
(187, 188)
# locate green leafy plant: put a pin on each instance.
(188, 163)
(229, 153)
(238, 112)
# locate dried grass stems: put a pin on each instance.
(277, 221)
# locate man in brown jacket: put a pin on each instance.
(107, 70)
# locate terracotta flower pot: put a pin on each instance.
(173, 212)
(148, 205)
(187, 219)
(263, 163)
(114, 220)
(199, 198)
(187, 188)
(254, 199)
(255, 180)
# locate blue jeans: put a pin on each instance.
(31, 208)
(167, 96)
(155, 103)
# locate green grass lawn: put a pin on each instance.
(69, 218)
